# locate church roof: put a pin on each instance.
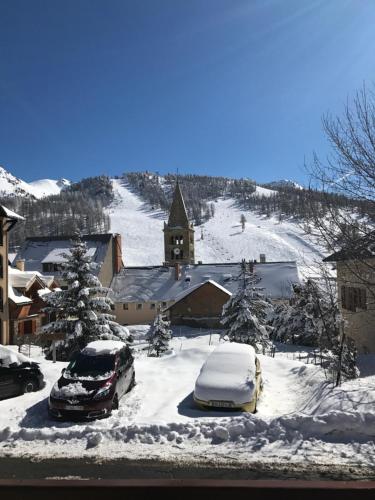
(178, 215)
(158, 283)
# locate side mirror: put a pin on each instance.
(63, 371)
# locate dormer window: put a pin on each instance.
(50, 267)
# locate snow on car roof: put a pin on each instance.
(8, 357)
(228, 374)
(103, 347)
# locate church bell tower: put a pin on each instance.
(178, 233)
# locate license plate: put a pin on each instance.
(222, 404)
(75, 408)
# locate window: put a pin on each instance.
(1, 299)
(125, 306)
(1, 267)
(164, 304)
(152, 306)
(50, 267)
(1, 237)
(139, 306)
(353, 298)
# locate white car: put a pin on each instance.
(229, 378)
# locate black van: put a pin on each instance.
(94, 382)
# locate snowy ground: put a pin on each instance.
(223, 239)
(300, 417)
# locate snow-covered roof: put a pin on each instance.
(17, 297)
(11, 256)
(228, 374)
(158, 283)
(56, 255)
(9, 213)
(24, 279)
(191, 289)
(103, 347)
(44, 291)
(37, 251)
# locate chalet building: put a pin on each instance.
(26, 292)
(356, 291)
(192, 293)
(200, 305)
(7, 220)
(46, 254)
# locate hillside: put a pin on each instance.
(223, 240)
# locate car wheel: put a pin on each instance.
(115, 402)
(30, 385)
(132, 383)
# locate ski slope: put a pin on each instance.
(220, 239)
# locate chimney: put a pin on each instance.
(117, 253)
(20, 264)
(262, 258)
(177, 271)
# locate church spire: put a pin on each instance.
(178, 233)
(178, 215)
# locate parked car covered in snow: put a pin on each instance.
(94, 382)
(18, 374)
(229, 378)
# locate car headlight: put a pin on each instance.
(103, 392)
(55, 392)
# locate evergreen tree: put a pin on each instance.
(341, 360)
(311, 319)
(82, 311)
(244, 315)
(159, 336)
(243, 222)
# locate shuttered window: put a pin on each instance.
(353, 298)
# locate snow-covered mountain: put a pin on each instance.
(283, 183)
(220, 239)
(13, 186)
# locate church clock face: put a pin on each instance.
(176, 251)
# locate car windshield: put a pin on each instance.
(91, 366)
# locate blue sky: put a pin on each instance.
(221, 87)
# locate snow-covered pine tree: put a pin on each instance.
(159, 336)
(341, 360)
(244, 315)
(311, 319)
(83, 311)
